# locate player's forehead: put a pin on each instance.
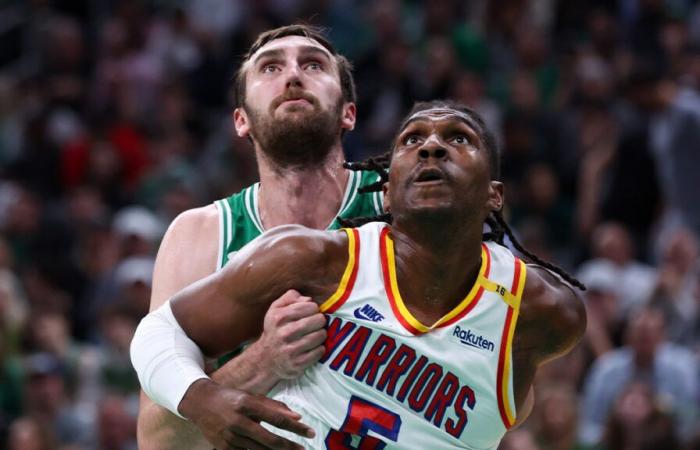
(289, 44)
(442, 116)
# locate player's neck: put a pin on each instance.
(436, 268)
(309, 196)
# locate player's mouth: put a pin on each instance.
(294, 98)
(296, 101)
(429, 176)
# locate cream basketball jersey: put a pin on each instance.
(388, 381)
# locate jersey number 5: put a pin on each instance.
(363, 416)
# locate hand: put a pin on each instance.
(230, 419)
(293, 336)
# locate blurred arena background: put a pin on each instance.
(115, 117)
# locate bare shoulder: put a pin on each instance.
(552, 315)
(187, 253)
(192, 221)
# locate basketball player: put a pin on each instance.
(295, 98)
(434, 335)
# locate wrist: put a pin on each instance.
(190, 406)
(251, 371)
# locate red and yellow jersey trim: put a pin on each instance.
(403, 315)
(347, 282)
(504, 359)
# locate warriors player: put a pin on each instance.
(295, 98)
(434, 336)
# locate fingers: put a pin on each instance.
(310, 341)
(288, 298)
(310, 357)
(291, 313)
(252, 435)
(280, 416)
(305, 326)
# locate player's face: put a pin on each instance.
(294, 78)
(440, 165)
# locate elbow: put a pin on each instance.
(166, 361)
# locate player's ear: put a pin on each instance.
(241, 122)
(385, 193)
(347, 120)
(495, 201)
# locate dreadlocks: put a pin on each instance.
(498, 226)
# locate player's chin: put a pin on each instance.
(431, 207)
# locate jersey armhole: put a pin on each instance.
(347, 281)
(505, 389)
(225, 231)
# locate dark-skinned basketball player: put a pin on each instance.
(434, 334)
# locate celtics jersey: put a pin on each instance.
(388, 381)
(239, 217)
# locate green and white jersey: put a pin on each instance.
(239, 217)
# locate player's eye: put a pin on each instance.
(411, 139)
(460, 139)
(269, 68)
(314, 66)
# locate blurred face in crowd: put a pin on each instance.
(116, 427)
(542, 187)
(293, 108)
(557, 413)
(644, 334)
(635, 405)
(682, 251)
(50, 333)
(27, 434)
(521, 439)
(45, 393)
(612, 242)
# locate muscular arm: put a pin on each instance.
(552, 321)
(227, 308)
(188, 253)
(552, 316)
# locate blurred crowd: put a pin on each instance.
(115, 117)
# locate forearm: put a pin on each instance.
(166, 361)
(247, 372)
(159, 429)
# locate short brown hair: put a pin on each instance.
(347, 83)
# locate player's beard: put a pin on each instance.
(296, 140)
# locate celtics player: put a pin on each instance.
(435, 331)
(295, 98)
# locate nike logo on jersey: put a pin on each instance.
(466, 337)
(366, 312)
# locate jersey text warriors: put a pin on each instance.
(388, 381)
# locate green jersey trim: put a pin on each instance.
(225, 230)
(350, 194)
(251, 206)
(240, 213)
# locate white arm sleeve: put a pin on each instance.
(167, 362)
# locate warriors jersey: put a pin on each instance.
(388, 381)
(239, 218)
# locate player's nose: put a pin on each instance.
(293, 75)
(432, 148)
